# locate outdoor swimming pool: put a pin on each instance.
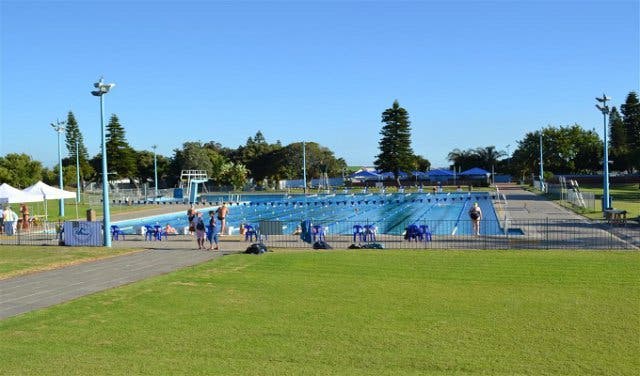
(444, 213)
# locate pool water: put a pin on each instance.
(444, 213)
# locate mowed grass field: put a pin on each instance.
(18, 260)
(349, 313)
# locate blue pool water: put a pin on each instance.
(444, 213)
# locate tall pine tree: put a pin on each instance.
(631, 118)
(121, 158)
(395, 145)
(73, 134)
(619, 150)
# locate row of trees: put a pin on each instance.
(257, 159)
(566, 150)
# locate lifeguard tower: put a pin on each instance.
(192, 178)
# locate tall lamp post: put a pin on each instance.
(541, 166)
(77, 172)
(155, 169)
(103, 89)
(304, 166)
(59, 127)
(606, 201)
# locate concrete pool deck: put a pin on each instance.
(38, 290)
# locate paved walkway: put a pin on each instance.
(34, 291)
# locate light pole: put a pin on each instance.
(155, 169)
(541, 166)
(59, 127)
(77, 172)
(304, 166)
(606, 201)
(103, 89)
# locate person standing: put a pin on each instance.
(212, 231)
(200, 230)
(191, 219)
(222, 212)
(24, 210)
(476, 215)
(10, 221)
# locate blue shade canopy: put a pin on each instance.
(475, 171)
(389, 174)
(439, 172)
(419, 174)
(364, 175)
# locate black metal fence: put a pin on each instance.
(42, 233)
(530, 234)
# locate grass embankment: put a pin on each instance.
(369, 312)
(625, 197)
(18, 260)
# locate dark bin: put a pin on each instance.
(91, 215)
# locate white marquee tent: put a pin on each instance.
(47, 192)
(11, 195)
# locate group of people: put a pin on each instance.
(208, 229)
(9, 219)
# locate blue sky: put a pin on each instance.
(470, 73)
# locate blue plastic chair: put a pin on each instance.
(370, 232)
(425, 233)
(317, 231)
(250, 233)
(357, 232)
(157, 231)
(116, 232)
(150, 233)
(412, 232)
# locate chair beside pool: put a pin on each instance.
(153, 232)
(250, 233)
(358, 232)
(425, 233)
(370, 232)
(116, 233)
(317, 231)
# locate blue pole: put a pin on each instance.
(304, 166)
(541, 166)
(77, 171)
(605, 183)
(106, 216)
(59, 130)
(606, 200)
(155, 170)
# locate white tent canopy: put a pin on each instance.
(14, 195)
(48, 192)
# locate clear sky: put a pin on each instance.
(470, 73)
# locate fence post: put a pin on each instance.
(546, 232)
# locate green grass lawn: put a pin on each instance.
(17, 260)
(53, 209)
(625, 197)
(341, 312)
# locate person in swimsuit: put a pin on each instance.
(222, 215)
(476, 215)
(24, 210)
(191, 219)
